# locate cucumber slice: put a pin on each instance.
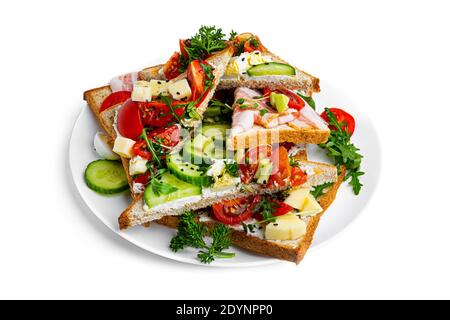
(106, 177)
(271, 69)
(216, 131)
(186, 171)
(212, 112)
(184, 190)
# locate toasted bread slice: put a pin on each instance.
(303, 81)
(136, 214)
(259, 135)
(293, 251)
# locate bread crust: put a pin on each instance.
(262, 136)
(274, 249)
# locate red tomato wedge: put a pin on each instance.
(140, 149)
(183, 48)
(295, 101)
(341, 117)
(142, 178)
(235, 211)
(196, 77)
(168, 137)
(281, 169)
(281, 208)
(171, 68)
(114, 99)
(298, 177)
(129, 122)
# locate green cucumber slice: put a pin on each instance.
(186, 171)
(184, 190)
(106, 177)
(215, 131)
(271, 69)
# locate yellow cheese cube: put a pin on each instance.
(141, 91)
(138, 166)
(159, 87)
(287, 227)
(123, 147)
(297, 197)
(311, 207)
(179, 89)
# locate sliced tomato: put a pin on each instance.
(140, 149)
(157, 114)
(295, 101)
(171, 68)
(129, 122)
(281, 208)
(235, 211)
(114, 99)
(142, 178)
(281, 169)
(298, 177)
(196, 77)
(347, 120)
(253, 43)
(248, 165)
(169, 136)
(183, 48)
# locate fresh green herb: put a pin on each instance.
(232, 168)
(209, 75)
(168, 102)
(159, 187)
(319, 191)
(224, 107)
(262, 112)
(191, 234)
(254, 42)
(343, 151)
(266, 208)
(221, 235)
(248, 228)
(191, 110)
(308, 100)
(208, 40)
(240, 101)
(151, 147)
(293, 162)
(233, 35)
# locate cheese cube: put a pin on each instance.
(297, 197)
(311, 207)
(123, 147)
(142, 92)
(286, 227)
(138, 166)
(159, 87)
(180, 89)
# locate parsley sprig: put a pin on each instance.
(191, 234)
(209, 39)
(343, 151)
(232, 168)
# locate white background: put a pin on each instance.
(391, 57)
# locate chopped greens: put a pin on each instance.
(319, 191)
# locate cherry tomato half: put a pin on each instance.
(129, 121)
(171, 68)
(341, 117)
(196, 77)
(235, 211)
(114, 99)
(298, 177)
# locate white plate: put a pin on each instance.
(156, 238)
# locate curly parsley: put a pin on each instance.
(191, 234)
